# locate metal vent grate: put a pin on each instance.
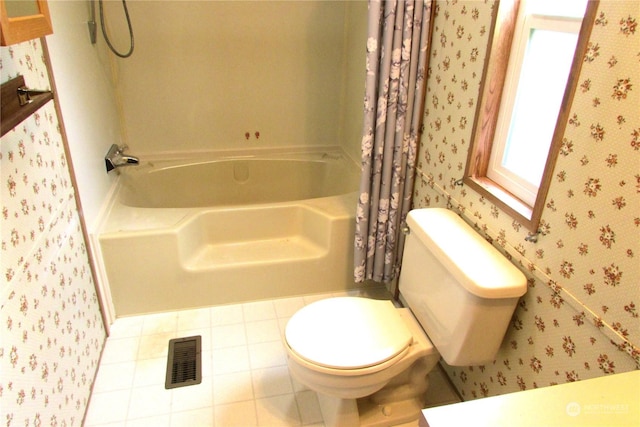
(184, 365)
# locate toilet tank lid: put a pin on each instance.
(474, 262)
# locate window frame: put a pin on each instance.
(491, 90)
(508, 178)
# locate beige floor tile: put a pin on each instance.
(278, 411)
(235, 387)
(240, 414)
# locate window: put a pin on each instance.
(529, 80)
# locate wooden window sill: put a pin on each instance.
(515, 207)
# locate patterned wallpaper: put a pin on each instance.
(579, 318)
(51, 331)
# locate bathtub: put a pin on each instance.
(221, 229)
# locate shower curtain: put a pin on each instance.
(397, 52)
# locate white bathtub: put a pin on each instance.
(225, 229)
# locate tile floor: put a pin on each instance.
(245, 379)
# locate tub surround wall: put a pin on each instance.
(87, 101)
(354, 82)
(213, 75)
(579, 318)
(51, 332)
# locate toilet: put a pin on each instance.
(368, 360)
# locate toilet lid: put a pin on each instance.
(347, 332)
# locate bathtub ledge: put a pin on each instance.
(239, 254)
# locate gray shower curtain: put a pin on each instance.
(397, 53)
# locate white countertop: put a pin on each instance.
(612, 400)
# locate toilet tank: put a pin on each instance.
(461, 289)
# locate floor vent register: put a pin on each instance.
(184, 364)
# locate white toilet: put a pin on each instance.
(368, 360)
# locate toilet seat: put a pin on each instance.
(348, 333)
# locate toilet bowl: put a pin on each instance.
(341, 359)
(368, 360)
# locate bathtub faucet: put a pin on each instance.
(116, 158)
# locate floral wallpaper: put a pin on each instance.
(578, 320)
(51, 331)
(580, 316)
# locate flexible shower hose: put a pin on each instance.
(104, 31)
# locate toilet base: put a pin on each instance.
(396, 414)
(338, 412)
(364, 412)
(397, 404)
